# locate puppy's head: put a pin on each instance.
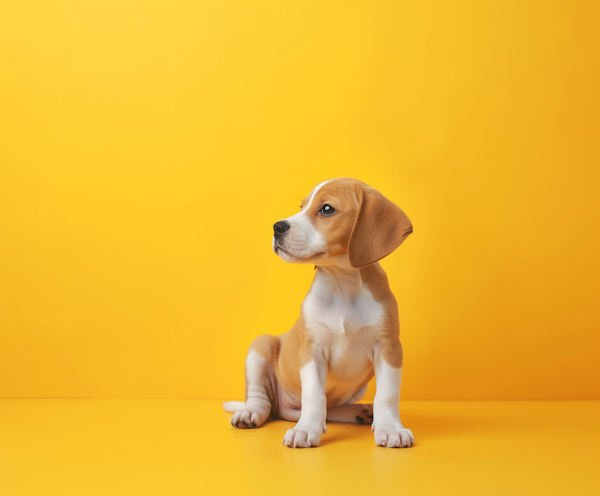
(341, 219)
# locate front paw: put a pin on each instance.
(394, 438)
(302, 438)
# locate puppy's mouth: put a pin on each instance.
(279, 247)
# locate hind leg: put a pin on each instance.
(259, 390)
(354, 413)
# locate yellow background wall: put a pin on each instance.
(146, 149)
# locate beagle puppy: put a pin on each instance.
(348, 329)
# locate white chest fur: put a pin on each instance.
(343, 318)
(340, 308)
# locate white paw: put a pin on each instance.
(245, 419)
(302, 438)
(394, 438)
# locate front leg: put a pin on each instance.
(311, 426)
(389, 431)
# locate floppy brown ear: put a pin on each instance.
(380, 227)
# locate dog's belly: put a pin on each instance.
(349, 368)
(337, 391)
(349, 365)
(349, 358)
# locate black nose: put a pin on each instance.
(280, 228)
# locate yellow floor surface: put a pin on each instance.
(187, 447)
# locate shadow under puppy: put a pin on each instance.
(348, 330)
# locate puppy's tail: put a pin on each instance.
(233, 406)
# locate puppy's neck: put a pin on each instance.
(340, 277)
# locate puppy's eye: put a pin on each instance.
(327, 210)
